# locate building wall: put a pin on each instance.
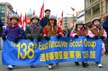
(107, 6)
(68, 22)
(2, 12)
(95, 8)
(5, 10)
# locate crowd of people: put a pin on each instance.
(47, 27)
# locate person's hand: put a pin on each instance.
(39, 38)
(16, 40)
(31, 39)
(102, 37)
(47, 38)
(59, 36)
(76, 36)
(96, 37)
(87, 36)
(4, 38)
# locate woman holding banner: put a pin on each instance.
(52, 29)
(97, 31)
(34, 30)
(12, 32)
(80, 30)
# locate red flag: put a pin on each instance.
(34, 12)
(25, 19)
(16, 12)
(20, 20)
(61, 20)
(24, 22)
(62, 14)
(73, 9)
(41, 11)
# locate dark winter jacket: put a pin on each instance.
(12, 33)
(34, 31)
(43, 22)
(105, 26)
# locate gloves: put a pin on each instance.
(76, 36)
(47, 38)
(68, 35)
(4, 38)
(39, 38)
(25, 37)
(102, 37)
(31, 39)
(59, 36)
(16, 40)
(87, 36)
(96, 37)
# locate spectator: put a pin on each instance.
(105, 26)
(44, 20)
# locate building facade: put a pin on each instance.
(5, 10)
(95, 8)
(69, 22)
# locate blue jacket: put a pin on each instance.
(43, 22)
(105, 26)
(13, 33)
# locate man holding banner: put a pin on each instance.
(52, 29)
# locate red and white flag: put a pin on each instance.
(34, 12)
(73, 9)
(24, 22)
(20, 21)
(41, 11)
(61, 20)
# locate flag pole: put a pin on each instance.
(44, 6)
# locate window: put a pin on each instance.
(88, 2)
(96, 10)
(88, 13)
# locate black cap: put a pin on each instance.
(47, 10)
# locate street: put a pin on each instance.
(62, 67)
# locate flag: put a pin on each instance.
(61, 20)
(73, 9)
(34, 12)
(41, 11)
(16, 12)
(20, 21)
(25, 18)
(24, 22)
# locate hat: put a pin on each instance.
(53, 17)
(80, 21)
(96, 18)
(14, 16)
(34, 17)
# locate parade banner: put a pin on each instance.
(55, 50)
